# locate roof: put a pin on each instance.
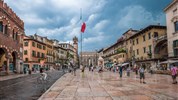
(170, 5)
(29, 38)
(147, 29)
(100, 50)
(130, 30)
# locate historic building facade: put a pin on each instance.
(11, 40)
(115, 53)
(34, 53)
(172, 29)
(149, 45)
(89, 58)
(72, 50)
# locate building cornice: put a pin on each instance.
(170, 5)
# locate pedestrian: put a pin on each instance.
(151, 70)
(128, 71)
(24, 70)
(82, 70)
(174, 73)
(142, 74)
(136, 69)
(120, 71)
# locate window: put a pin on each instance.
(25, 43)
(1, 27)
(175, 47)
(143, 37)
(133, 42)
(16, 36)
(150, 48)
(137, 51)
(26, 59)
(144, 49)
(126, 43)
(42, 55)
(44, 48)
(40, 47)
(130, 41)
(149, 35)
(6, 28)
(25, 52)
(134, 52)
(155, 34)
(33, 53)
(33, 44)
(137, 40)
(176, 26)
(13, 35)
(38, 54)
(175, 11)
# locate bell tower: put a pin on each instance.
(75, 43)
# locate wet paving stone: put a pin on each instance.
(109, 86)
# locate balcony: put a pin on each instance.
(160, 38)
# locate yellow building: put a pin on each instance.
(149, 46)
(50, 53)
(115, 53)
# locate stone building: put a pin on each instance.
(89, 58)
(11, 40)
(72, 50)
(149, 45)
(172, 29)
(34, 53)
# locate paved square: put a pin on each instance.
(109, 86)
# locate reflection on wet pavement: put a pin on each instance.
(109, 86)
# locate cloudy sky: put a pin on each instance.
(106, 20)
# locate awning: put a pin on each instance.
(124, 64)
(168, 61)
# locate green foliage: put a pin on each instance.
(149, 54)
(121, 50)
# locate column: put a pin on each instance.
(7, 66)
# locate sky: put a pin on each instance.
(106, 20)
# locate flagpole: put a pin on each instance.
(81, 48)
(81, 35)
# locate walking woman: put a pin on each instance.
(174, 73)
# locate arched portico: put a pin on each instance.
(160, 49)
(4, 61)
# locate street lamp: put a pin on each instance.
(96, 58)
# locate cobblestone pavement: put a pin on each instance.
(109, 86)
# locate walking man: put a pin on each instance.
(142, 74)
(120, 71)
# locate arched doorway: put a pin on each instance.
(13, 65)
(160, 49)
(3, 60)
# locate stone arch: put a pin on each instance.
(15, 32)
(6, 24)
(5, 21)
(4, 55)
(13, 62)
(159, 46)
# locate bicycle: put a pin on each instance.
(42, 80)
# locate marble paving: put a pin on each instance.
(109, 86)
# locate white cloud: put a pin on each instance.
(137, 16)
(101, 25)
(91, 40)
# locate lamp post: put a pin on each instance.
(96, 58)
